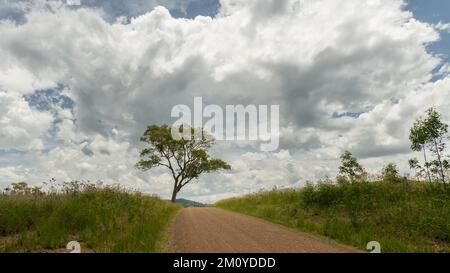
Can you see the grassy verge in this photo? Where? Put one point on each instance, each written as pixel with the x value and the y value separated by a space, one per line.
pixel 403 216
pixel 102 220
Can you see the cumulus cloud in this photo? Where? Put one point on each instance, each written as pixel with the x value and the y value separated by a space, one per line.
pixel 110 10
pixel 313 58
pixel 21 127
pixel 443 26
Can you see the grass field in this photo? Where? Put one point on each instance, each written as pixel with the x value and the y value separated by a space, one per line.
pixel 405 216
pixel 101 219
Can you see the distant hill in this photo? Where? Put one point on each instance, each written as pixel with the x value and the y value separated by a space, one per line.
pixel 189 203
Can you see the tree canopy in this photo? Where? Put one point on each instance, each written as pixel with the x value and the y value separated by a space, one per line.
pixel 350 167
pixel 430 133
pixel 186 158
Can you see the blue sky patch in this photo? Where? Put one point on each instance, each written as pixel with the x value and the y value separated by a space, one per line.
pixel 194 9
pixel 46 100
pixel 50 100
pixel 433 12
pixel 347 114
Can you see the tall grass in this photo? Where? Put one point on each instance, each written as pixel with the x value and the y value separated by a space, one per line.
pixel 102 219
pixel 404 217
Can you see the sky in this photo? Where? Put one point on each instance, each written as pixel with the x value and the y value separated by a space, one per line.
pixel 79 84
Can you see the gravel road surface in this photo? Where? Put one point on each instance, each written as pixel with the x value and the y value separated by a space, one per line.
pixel 211 230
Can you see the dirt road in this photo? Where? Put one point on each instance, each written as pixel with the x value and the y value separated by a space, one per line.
pixel 210 230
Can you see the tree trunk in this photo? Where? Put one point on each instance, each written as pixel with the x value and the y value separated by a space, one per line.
pixel 174 196
pixel 426 163
pixel 174 193
pixel 440 162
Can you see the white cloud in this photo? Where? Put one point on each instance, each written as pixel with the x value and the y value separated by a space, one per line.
pixel 110 10
pixel 314 58
pixel 21 127
pixel 443 26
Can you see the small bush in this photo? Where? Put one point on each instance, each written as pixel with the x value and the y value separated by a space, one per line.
pixel 322 196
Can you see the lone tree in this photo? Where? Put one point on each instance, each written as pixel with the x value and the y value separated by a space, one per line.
pixel 430 132
pixel 186 158
pixel 350 167
pixel 390 172
pixel 418 137
pixel 437 132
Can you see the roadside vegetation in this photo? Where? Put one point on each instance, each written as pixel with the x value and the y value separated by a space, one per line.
pixel 101 218
pixel 402 214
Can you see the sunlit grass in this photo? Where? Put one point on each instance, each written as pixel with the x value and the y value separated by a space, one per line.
pixel 101 219
pixel 404 216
